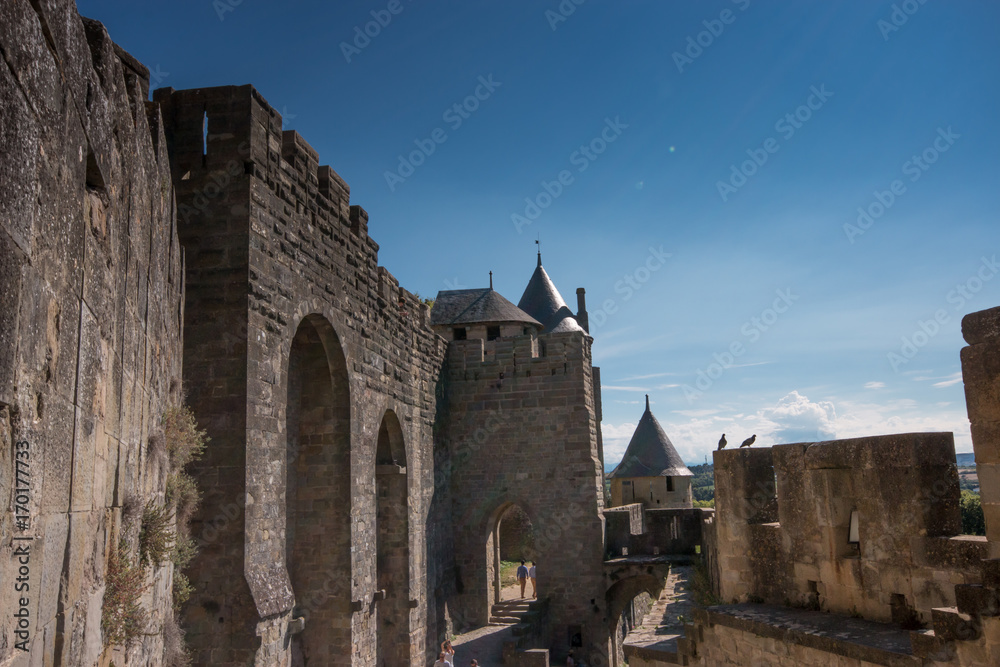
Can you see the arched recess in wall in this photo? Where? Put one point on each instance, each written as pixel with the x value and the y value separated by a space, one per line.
pixel 318 493
pixel 511 538
pixel 393 548
pixel 622 601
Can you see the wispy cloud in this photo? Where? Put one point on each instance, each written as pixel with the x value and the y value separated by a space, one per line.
pixel 658 387
pixel 647 377
pixel 954 378
pixel 874 385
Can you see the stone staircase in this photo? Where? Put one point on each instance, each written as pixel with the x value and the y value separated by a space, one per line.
pixel 525 618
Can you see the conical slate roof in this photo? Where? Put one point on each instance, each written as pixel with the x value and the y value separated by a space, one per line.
pixel 650 452
pixel 542 301
pixel 467 306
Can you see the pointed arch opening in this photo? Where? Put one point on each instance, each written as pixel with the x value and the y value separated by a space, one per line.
pixel 511 540
pixel 395 645
pixel 318 494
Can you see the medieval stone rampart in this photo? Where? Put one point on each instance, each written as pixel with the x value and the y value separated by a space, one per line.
pixel 91 282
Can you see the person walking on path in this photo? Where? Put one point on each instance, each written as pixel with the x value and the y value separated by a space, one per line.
pixel 534 582
pixel 522 577
pixel 448 652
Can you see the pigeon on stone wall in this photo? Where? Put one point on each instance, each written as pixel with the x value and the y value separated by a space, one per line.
pixel 722 442
pixel 749 441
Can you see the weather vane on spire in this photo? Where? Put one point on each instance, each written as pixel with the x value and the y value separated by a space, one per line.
pixel 491 280
pixel 538 242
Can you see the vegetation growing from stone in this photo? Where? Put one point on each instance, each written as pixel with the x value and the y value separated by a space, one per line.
pixel 973 519
pixel 184 550
pixel 185 443
pixel 123 618
pixel 175 652
pixel 156 534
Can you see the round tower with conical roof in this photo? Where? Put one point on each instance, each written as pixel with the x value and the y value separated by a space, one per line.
pixel 651 472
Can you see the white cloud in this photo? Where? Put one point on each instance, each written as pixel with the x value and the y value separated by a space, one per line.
pixel 797 419
pixel 616 437
pixel 954 378
pixel 874 385
pixel 614 387
pixel 646 377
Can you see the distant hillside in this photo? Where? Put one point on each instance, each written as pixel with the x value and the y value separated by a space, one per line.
pixel 966 459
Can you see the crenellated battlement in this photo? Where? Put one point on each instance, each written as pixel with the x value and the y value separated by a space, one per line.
pixel 845 525
pixel 546 354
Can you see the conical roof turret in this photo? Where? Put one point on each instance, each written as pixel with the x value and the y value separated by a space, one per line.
pixel 650 452
pixel 543 302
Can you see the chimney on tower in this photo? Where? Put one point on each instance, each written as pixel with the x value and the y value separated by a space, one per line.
pixel 581 309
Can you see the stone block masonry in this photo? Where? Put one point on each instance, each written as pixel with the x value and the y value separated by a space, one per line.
pixel 303 356
pixel 91 284
pixel 522 429
pixel 784 518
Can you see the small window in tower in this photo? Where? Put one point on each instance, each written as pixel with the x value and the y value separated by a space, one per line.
pixel 670 484
pixel 492 333
pixel 459 332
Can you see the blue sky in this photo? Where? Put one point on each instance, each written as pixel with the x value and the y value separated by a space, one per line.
pixel 739 138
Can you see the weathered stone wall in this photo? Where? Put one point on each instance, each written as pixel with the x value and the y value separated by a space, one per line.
pixel 784 513
pixel 523 428
pixel 281 267
pixel 653 492
pixel 981 373
pixel 90 343
pixel 641 531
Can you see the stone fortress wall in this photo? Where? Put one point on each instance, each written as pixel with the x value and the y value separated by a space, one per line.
pixel 359 463
pixel 315 373
pixel 91 284
pixel 795 587
pixel 522 428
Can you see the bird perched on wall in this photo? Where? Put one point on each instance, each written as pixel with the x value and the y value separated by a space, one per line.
pixel 722 442
pixel 749 441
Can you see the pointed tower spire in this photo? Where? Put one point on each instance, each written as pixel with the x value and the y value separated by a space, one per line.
pixel 647 402
pixel 491 280
pixel 538 242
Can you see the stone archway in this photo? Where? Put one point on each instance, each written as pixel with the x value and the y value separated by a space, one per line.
pixel 394 645
pixel 619 598
pixel 318 494
pixel 497 551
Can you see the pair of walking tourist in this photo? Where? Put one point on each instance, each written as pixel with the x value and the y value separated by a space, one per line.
pixel 523 574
